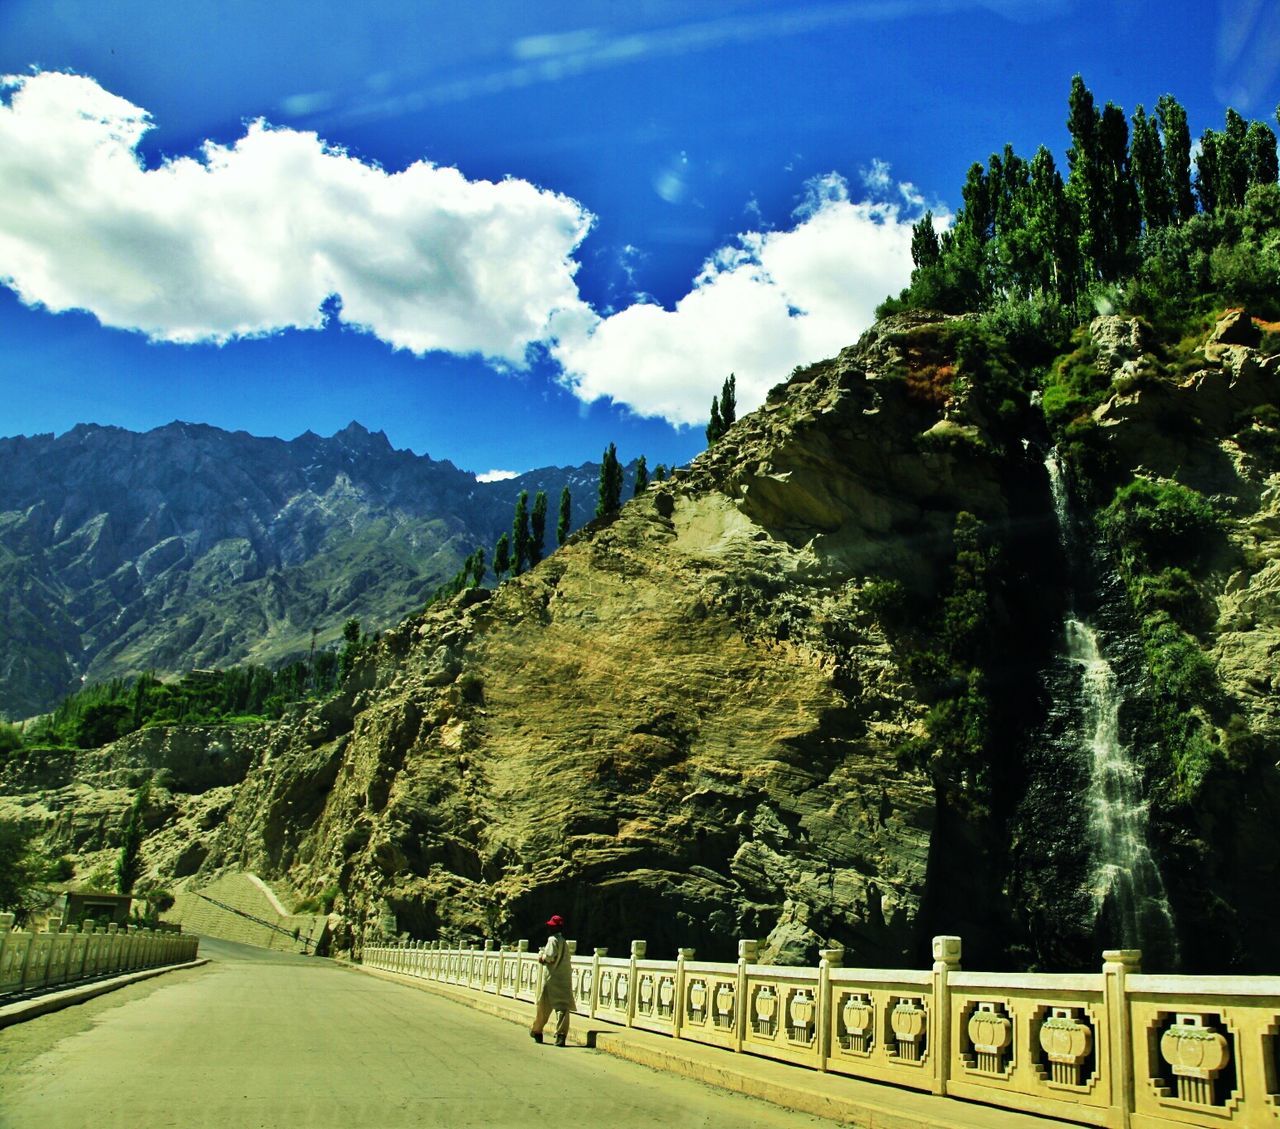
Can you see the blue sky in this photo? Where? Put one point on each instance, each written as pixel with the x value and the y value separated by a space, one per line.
pixel 509 234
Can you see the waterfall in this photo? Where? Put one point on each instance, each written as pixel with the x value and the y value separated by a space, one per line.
pixel 1128 892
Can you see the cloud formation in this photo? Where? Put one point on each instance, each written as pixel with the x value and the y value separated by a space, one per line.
pixel 769 302
pixel 254 237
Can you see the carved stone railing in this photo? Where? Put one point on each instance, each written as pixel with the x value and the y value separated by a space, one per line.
pixel 1113 1048
pixel 59 957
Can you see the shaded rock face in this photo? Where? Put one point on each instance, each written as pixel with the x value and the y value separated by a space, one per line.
pixel 688 724
pixel 192 547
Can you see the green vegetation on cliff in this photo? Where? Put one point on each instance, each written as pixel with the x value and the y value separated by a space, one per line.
pixel 1123 230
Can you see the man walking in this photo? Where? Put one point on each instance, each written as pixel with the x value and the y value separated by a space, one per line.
pixel 555 987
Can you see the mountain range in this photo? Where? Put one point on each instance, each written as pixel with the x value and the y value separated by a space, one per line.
pixel 191 547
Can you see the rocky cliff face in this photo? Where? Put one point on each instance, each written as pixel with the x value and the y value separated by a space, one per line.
pixel 704 719
pixel 191 547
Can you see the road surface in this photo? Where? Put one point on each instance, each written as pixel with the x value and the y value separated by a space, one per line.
pixel 263 1040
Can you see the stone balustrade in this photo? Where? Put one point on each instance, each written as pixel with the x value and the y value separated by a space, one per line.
pixel 1114 1048
pixel 59 956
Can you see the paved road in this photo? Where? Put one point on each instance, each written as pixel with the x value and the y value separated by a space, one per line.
pixel 260 1040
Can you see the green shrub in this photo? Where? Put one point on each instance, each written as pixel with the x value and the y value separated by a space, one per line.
pixel 1154 523
pixel 1074 386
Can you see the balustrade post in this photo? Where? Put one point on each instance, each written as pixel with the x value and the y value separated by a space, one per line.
pixel 825 1005
pixel 677 1019
pixel 1116 965
pixel 6 927
pixel 522 946
pixel 638 950
pixel 595 978
pixel 748 951
pixel 946 959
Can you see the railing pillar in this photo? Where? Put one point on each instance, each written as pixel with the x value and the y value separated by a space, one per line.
pixel 946 959
pixel 1116 965
pixel 677 1019
pixel 595 978
pixel 827 960
pixel 747 953
pixel 6 922
pixel 638 950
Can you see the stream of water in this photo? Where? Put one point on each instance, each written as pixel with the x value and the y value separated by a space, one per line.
pixel 1125 881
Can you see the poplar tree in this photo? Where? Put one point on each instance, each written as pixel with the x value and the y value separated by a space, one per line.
pixel 925 249
pixel 715 426
pixel 501 558
pixel 565 517
pixel 1084 186
pixel 609 496
pixel 1260 147
pixel 1177 156
pixel 477 567
pixel 1146 158
pixel 728 403
pixel 642 477
pixel 520 534
pixel 537 540
pixel 129 862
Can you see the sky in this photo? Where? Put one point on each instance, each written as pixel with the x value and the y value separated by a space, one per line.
pixel 509 234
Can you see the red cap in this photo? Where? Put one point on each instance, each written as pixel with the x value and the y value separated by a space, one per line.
pixel 555 921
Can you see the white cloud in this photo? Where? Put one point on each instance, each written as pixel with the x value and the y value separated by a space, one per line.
pixel 760 307
pixel 497 475
pixel 877 178
pixel 252 238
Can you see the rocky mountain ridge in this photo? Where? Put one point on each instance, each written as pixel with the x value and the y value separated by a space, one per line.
pixel 797 692
pixel 189 546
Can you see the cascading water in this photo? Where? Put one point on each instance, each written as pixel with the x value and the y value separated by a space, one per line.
pixel 1127 889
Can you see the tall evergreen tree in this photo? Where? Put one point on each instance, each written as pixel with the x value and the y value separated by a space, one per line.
pixel 520 534
pixel 642 477
pixel 729 402
pixel 609 496
pixel 501 558
pixel 477 567
pixel 1177 157
pixel 660 473
pixel 564 518
pixel 538 538
pixel 715 426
